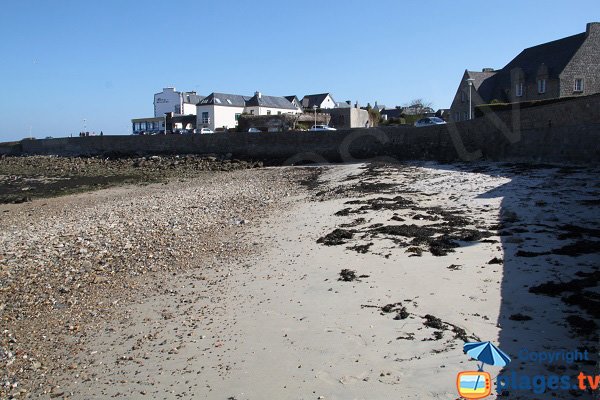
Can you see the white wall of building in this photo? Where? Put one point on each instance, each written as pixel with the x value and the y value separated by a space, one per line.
pixel 218 116
pixel 189 109
pixel 169 100
pixel 328 102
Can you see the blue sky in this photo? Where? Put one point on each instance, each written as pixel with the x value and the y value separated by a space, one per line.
pixel 66 61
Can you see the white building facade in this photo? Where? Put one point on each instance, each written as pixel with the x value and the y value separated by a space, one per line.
pixel 222 111
pixel 172 101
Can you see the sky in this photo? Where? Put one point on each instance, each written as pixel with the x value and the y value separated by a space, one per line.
pixel 63 62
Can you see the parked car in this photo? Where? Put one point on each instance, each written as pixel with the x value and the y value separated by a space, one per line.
pixel 254 130
pixel 205 131
pixel 429 121
pixel 322 128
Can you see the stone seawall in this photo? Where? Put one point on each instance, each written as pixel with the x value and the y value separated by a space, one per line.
pixel 561 132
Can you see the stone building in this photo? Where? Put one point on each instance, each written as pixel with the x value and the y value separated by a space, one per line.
pixel 562 68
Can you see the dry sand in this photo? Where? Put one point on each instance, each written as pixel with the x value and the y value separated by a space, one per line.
pixel 275 322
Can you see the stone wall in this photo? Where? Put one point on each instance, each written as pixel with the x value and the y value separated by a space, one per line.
pixel 561 132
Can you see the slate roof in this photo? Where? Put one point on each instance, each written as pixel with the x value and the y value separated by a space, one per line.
pixel 314 99
pixel 192 97
pixel 236 100
pixel 483 84
pixel 342 104
pixel 292 98
pixel 392 112
pixel 224 99
pixel 555 55
pixel 270 101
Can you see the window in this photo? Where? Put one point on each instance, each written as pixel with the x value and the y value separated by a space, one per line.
pixel 205 119
pixel 457 116
pixel 278 112
pixel 541 86
pixel 519 90
pixel 463 97
pixel 465 116
pixel 218 100
pixel 237 116
pixel 251 112
pixel 579 85
pixel 268 112
pixel 229 101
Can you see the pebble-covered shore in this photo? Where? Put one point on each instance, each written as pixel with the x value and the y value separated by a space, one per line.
pixel 67 262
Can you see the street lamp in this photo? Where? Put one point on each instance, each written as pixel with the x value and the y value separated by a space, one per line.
pixel 315 108
pixel 470 83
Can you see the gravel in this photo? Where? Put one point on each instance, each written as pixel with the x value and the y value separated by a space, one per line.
pixel 66 263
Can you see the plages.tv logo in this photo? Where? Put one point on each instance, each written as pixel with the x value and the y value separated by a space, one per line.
pixel 478 384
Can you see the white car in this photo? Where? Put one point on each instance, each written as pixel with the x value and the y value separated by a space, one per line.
pixel 205 131
pixel 429 121
pixel 254 130
pixel 322 128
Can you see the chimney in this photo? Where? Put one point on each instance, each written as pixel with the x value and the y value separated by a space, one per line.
pixel 592 27
pixel 258 94
pixel 487 70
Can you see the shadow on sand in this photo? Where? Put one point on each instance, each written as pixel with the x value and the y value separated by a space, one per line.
pixel 549 228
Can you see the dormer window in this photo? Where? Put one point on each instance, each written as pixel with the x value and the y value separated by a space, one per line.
pixel 541 83
pixel 519 89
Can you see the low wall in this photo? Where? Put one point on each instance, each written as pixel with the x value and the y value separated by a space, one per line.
pixel 561 132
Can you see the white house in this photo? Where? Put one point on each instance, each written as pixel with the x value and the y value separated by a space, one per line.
pixel 260 104
pixel 322 101
pixel 221 110
pixel 172 101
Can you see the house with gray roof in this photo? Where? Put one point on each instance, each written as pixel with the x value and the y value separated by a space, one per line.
pixel 321 101
pixel 295 101
pixel 222 110
pixel 562 68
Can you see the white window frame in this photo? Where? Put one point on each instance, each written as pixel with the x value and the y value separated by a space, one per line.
pixel 578 85
pixel 541 86
pixel 519 89
pixel 205 117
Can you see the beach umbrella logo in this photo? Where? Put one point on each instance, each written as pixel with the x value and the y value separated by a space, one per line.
pixel 486 353
pixel 478 384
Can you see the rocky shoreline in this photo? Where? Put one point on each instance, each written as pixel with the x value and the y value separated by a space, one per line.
pixel 68 263
pixel 25 178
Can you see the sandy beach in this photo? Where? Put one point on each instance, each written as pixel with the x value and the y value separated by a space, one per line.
pixel 356 281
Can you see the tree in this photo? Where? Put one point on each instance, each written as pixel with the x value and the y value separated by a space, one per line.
pixel 374 117
pixel 418 107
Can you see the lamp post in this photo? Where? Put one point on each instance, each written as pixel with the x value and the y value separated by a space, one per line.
pixel 315 108
pixel 470 83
